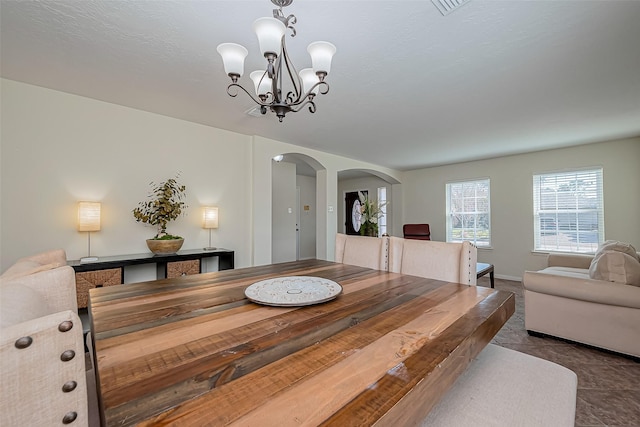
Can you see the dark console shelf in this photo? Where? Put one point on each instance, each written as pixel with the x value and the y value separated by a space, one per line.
pixel 225 259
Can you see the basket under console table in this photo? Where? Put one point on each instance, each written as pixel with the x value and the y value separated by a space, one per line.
pixel 109 270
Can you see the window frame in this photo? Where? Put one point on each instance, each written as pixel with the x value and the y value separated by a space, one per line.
pixel 483 243
pixel 559 221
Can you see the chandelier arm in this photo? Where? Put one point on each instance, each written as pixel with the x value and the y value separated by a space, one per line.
pixel 290 22
pixel 293 74
pixel 277 79
pixel 323 90
pixel 312 106
pixel 309 95
pixel 256 100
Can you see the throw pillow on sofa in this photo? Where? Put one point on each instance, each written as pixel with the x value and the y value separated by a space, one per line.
pixel 615 266
pixel 614 245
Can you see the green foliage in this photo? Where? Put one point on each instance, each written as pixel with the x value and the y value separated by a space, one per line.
pixel 370 212
pixel 167 237
pixel 166 205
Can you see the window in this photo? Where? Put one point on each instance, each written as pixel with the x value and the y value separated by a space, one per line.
pixel 382 219
pixel 568 211
pixel 468 212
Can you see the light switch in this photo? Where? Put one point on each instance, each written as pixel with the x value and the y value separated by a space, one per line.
pixel 330 208
pixel 290 210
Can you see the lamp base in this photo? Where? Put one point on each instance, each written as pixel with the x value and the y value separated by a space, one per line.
pixel 209 248
pixel 89 259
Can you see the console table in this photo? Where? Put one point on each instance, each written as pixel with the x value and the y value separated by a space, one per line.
pixel 109 270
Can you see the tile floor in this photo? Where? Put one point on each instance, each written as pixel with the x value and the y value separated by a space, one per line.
pixel 608 384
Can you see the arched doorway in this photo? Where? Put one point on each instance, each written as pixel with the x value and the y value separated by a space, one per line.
pixel 377 187
pixel 294 207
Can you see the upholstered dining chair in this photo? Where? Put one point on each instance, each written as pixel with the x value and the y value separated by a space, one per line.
pixel 453 262
pixel 42 360
pixel 369 252
pixel 416 231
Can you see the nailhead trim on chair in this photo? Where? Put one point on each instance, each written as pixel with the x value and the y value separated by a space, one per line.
pixel 24 342
pixel 69 417
pixel 65 326
pixel 67 355
pixel 69 386
pixel 386 253
pixel 469 273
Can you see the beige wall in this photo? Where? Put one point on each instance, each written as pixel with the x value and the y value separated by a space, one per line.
pixel 57 149
pixel 512 197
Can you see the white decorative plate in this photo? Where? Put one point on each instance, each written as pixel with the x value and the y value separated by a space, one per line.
pixel 293 291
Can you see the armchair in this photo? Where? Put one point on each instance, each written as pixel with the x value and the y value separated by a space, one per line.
pixel 564 301
pixel 416 231
pixel 44 378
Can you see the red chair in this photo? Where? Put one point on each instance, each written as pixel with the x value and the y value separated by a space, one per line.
pixel 416 231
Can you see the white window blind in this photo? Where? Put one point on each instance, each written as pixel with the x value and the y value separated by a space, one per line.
pixel 568 211
pixel 468 212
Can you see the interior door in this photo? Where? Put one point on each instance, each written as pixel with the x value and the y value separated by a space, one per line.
pixel 352 212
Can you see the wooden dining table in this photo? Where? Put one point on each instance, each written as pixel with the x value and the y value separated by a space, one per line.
pixel 194 351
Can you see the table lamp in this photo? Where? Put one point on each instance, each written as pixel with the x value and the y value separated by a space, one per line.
pixel 89 220
pixel 209 221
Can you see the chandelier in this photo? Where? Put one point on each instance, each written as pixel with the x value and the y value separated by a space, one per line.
pixel 279 88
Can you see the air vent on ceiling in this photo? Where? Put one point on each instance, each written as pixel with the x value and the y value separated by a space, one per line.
pixel 254 111
pixel 447 6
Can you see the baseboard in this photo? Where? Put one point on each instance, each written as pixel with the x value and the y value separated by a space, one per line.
pixel 504 277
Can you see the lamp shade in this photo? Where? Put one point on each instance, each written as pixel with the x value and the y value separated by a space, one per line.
pixel 269 32
pixel 261 81
pixel 309 78
pixel 233 56
pixel 88 216
pixel 321 55
pixel 209 217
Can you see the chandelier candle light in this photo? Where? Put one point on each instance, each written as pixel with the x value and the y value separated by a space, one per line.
pixel 270 83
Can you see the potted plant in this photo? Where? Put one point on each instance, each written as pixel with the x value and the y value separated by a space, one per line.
pixel 370 212
pixel 165 204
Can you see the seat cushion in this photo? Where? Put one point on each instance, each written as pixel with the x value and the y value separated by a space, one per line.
pixel 503 387
pixel 589 290
pixel 578 273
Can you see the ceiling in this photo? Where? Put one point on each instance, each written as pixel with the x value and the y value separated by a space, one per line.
pixel 410 88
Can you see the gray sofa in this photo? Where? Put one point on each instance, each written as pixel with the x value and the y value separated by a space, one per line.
pixel 563 300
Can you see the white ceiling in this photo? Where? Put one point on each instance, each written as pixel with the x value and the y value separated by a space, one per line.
pixel 410 88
